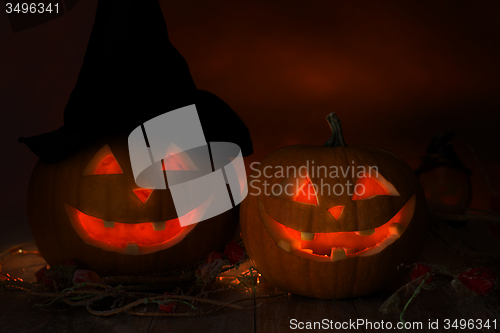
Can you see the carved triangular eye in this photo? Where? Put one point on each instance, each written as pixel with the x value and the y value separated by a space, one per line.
pixel 372 184
pixel 103 163
pixel 299 189
pixel 177 160
pixel 306 194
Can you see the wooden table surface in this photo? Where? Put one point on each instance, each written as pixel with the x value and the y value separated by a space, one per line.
pixel 18 313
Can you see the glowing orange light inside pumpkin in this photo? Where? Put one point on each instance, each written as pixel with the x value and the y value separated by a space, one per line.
pixel 336 211
pixel 367 187
pixel 172 162
pixel 108 166
pixel 307 194
pixel 323 243
pixel 143 194
pixel 123 233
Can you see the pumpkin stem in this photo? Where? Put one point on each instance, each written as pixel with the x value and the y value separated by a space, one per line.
pixel 337 138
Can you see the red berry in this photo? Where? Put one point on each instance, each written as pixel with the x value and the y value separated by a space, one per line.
pixel 420 270
pixel 234 252
pixel 84 275
pixel 168 307
pixel 479 280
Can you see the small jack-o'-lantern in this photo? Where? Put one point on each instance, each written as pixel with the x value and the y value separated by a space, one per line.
pixel 333 221
pixel 89 208
pixel 445 179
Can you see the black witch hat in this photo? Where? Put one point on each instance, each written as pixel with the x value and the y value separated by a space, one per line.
pixel 130 74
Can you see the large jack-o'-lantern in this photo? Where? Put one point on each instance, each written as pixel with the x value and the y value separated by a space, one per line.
pixel 83 201
pixel 333 221
pixel 89 208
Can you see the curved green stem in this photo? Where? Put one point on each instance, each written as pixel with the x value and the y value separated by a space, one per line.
pixel 337 137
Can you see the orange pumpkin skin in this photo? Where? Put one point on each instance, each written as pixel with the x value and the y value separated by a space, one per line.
pixel 354 275
pixel 110 197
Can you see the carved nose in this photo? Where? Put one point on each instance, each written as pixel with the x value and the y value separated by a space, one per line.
pixel 143 194
pixel 336 211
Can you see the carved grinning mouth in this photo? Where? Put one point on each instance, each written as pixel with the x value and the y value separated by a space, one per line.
pixel 333 246
pixel 128 238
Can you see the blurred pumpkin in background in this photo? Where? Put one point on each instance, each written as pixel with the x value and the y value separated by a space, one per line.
pixel 445 179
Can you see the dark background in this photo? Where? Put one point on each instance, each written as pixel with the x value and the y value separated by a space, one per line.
pixel 396 72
